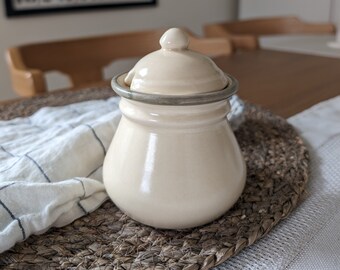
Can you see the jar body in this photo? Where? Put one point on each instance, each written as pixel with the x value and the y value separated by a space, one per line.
pixel 174 167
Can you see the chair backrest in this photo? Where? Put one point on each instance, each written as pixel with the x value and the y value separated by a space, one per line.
pixel 83 60
pixel 241 31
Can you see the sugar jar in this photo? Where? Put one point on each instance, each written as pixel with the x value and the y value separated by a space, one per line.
pixel 174 162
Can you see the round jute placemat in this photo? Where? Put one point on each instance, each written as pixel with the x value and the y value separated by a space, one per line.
pixel 277 163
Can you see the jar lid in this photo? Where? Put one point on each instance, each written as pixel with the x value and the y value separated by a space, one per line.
pixel 175 70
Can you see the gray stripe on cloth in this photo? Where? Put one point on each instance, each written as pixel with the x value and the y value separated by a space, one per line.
pixel 82 208
pixel 14 218
pixel 1 188
pixel 39 167
pixel 96 169
pixel 97 138
pixel 9 153
pixel 82 197
pixel 82 184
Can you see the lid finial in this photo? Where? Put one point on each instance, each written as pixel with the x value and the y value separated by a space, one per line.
pixel 175 69
pixel 174 39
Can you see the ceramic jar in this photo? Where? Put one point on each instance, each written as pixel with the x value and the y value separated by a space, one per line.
pixel 174 162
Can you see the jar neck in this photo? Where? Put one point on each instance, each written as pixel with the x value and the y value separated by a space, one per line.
pixel 175 116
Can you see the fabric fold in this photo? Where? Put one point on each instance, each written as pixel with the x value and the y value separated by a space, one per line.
pixel 51 167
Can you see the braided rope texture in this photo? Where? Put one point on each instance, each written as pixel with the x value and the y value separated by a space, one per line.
pixel 278 170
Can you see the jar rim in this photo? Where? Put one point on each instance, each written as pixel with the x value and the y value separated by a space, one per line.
pixel 123 90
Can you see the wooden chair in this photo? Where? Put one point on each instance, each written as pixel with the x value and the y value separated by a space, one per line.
pixel 83 60
pixel 244 34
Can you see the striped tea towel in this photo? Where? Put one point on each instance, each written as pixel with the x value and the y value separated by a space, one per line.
pixel 51 166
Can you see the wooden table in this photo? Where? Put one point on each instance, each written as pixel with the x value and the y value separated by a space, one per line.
pixel 283 82
pixel 286 83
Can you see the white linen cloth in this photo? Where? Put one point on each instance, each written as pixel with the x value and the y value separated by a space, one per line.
pixel 51 166
pixel 309 239
pixel 60 151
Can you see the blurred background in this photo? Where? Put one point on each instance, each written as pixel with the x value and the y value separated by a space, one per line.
pixel 192 14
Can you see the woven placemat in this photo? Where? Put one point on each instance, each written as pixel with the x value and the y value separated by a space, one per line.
pixel 277 163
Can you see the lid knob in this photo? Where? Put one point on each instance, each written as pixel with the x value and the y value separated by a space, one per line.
pixel 175 69
pixel 174 39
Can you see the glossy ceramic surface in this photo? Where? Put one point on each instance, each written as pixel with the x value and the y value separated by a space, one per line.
pixel 174 167
pixel 174 162
pixel 175 70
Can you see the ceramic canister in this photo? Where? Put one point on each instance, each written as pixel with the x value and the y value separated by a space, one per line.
pixel 174 161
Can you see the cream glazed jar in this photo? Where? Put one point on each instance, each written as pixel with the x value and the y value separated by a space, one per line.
pixel 174 162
